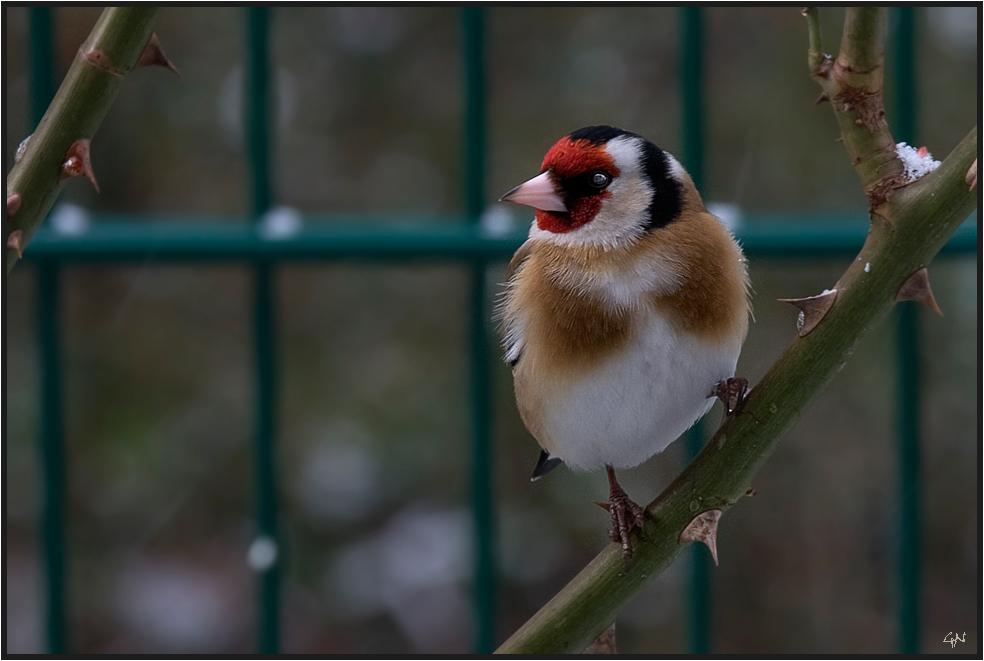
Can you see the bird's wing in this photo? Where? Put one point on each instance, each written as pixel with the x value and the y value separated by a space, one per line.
pixel 514 342
pixel 517 260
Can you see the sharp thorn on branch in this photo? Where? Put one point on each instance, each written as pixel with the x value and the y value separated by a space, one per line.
pixel 812 309
pixel 605 506
pixel 820 99
pixel 703 528
pixel 916 288
pixel 13 204
pixel 971 178
pixel 78 161
pixel 604 643
pixel 153 55
pixel 15 241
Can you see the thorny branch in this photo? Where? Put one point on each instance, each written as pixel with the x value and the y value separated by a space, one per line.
pixel 59 147
pixel 913 221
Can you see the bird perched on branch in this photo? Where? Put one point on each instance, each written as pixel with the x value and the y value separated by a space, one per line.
pixel 625 310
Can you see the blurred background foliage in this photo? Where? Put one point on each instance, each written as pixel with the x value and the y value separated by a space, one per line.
pixel 373 444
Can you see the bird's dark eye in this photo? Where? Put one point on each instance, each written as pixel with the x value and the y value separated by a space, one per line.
pixel 600 179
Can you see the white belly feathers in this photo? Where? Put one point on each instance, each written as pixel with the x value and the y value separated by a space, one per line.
pixel 632 405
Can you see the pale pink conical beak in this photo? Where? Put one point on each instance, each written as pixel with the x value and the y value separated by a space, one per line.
pixel 539 193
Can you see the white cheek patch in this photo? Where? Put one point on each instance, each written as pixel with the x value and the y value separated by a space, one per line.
pixel 627 210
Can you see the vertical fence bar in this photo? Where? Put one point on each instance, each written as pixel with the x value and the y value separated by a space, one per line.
pixel 699 606
pixel 51 430
pixel 257 110
pixel 692 91
pixel 483 460
pixel 265 553
pixel 909 487
pixel 42 72
pixel 52 460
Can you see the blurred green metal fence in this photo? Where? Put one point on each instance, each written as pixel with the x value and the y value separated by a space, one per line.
pixel 123 239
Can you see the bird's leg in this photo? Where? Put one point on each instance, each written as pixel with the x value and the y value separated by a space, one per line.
pixel 626 515
pixel 731 393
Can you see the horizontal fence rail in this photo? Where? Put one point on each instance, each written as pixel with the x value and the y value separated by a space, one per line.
pixel 110 238
pixel 262 242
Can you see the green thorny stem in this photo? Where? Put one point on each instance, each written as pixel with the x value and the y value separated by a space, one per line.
pixel 910 223
pixel 59 147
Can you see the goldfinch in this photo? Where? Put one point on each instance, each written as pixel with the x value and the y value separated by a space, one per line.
pixel 624 311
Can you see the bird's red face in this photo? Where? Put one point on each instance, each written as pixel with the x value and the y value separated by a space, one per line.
pixel 575 166
pixel 571 187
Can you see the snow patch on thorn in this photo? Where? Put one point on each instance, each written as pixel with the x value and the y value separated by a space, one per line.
pixel 917 162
